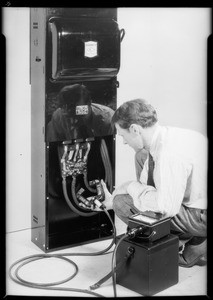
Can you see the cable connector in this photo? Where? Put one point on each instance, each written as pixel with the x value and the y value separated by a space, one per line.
pixel 134 232
pixel 99 204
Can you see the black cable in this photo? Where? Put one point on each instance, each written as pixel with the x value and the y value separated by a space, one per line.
pixel 117 267
pixel 32 258
pixel 87 184
pixel 132 233
pixel 107 164
pixel 106 277
pixel 49 286
pixel 114 264
pixel 45 286
pixel 85 214
pixel 104 159
pixel 104 162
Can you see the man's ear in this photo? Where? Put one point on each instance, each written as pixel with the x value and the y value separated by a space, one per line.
pixel 134 128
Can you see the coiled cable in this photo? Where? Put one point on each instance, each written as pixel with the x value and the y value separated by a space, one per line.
pixel 51 286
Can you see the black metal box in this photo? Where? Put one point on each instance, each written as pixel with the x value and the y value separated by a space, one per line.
pixel 154 226
pixel 152 268
pixel 83 48
pixel 70 46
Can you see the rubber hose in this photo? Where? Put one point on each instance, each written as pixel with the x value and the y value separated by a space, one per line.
pixel 84 214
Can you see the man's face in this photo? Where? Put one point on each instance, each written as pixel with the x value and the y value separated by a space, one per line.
pixel 130 137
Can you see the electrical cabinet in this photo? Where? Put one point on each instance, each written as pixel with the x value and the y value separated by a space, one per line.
pixel 71 47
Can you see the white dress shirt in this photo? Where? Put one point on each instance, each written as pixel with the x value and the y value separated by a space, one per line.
pixel 180 173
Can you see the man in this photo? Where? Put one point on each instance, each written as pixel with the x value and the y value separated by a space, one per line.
pixel 78 117
pixel 178 188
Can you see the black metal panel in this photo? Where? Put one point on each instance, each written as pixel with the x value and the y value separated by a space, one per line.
pixel 102 92
pixel 77 230
pixel 85 12
pixel 56 63
pixel 61 220
pixel 83 48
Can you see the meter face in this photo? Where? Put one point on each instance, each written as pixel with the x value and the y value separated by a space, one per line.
pixel 147 217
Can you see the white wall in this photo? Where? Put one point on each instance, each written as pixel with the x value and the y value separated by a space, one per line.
pixel 18 167
pixel 163 59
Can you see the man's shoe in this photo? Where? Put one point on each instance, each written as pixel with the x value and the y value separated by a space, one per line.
pixel 193 255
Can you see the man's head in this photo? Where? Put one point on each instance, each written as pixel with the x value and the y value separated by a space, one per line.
pixel 134 121
pixel 75 100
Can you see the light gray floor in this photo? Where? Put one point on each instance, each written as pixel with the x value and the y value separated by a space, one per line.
pixel 192 281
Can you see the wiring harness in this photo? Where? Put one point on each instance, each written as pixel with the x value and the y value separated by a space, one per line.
pixel 73 160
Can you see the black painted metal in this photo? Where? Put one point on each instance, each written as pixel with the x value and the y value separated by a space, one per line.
pixel 61 55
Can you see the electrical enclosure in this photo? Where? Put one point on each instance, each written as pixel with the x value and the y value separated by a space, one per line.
pixel 71 46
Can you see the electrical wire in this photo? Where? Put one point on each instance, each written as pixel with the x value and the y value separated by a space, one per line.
pixel 114 264
pixel 109 167
pixel 49 286
pixel 119 265
pixel 104 162
pixel 108 179
pixel 81 213
pixel 87 184
pixel 107 164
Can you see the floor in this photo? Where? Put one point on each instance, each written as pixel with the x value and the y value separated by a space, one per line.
pixel 192 281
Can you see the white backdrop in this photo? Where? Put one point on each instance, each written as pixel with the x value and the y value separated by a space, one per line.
pixel 163 59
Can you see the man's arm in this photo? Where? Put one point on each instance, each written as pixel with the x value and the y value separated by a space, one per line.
pixel 170 176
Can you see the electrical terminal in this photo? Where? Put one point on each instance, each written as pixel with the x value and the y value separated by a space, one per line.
pixel 74 158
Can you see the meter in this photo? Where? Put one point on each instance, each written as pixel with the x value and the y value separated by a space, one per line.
pixel 155 225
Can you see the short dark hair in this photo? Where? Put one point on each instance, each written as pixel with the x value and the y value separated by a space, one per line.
pixel 137 111
pixel 70 95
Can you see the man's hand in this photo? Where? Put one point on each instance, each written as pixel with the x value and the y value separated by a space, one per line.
pixel 107 201
pixel 108 197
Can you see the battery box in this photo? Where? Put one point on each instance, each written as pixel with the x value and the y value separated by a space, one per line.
pixel 153 266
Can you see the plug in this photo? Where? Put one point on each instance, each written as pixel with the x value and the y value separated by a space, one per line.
pixel 134 231
pixel 99 204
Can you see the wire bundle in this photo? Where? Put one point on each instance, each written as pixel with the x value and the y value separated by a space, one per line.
pixel 108 180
